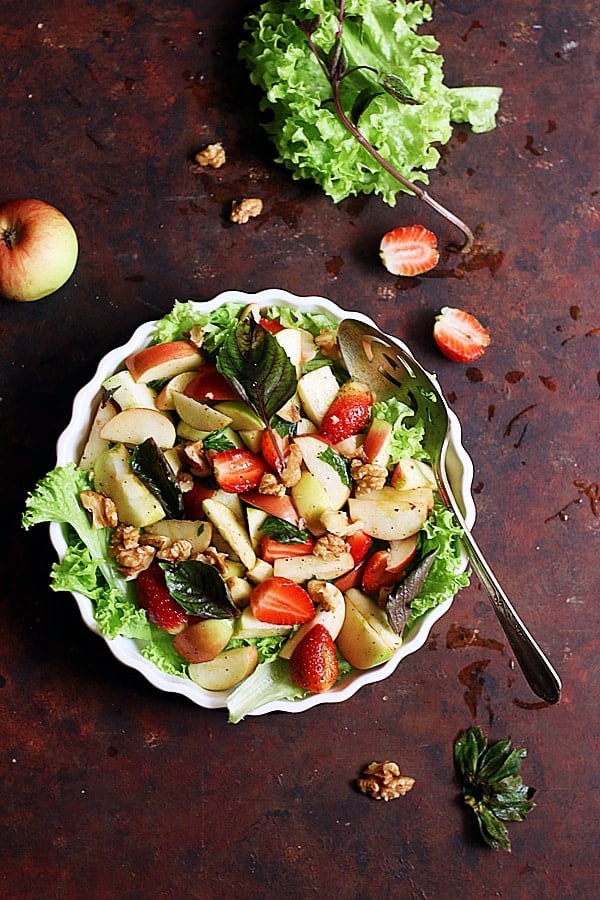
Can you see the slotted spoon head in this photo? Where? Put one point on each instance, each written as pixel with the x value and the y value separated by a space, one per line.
pixel 389 369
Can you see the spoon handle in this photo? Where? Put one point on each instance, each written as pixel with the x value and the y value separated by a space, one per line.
pixel 537 669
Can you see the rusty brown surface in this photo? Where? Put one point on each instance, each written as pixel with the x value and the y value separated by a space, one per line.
pixel 113 789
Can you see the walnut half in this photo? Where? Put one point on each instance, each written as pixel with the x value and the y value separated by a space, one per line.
pixel 383 781
pixel 246 209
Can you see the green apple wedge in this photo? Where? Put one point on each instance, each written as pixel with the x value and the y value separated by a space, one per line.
pixel 231 529
pixel 113 477
pixel 318 457
pixel 365 639
pixel 311 500
pixel 198 415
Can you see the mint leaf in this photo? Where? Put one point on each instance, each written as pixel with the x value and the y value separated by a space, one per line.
pixel 283 531
pixel 258 367
pixel 338 463
pixel 217 441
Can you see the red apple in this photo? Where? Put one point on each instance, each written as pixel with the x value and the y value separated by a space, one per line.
pixel 163 361
pixel 38 249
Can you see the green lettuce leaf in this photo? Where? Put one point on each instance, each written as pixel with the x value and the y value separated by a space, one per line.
pixel 406 439
pixel 380 40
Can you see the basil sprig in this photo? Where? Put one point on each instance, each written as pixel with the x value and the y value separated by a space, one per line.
pixel 258 367
pixel 491 784
pixel 284 532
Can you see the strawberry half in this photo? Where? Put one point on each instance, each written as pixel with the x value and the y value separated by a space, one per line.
pixel 281 601
pixel 270 549
pixel 349 412
pixel 210 386
pixel 153 596
pixel 314 662
pixel 460 336
pixel 237 470
pixel 410 250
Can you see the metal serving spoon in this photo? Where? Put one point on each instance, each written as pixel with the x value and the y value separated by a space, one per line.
pixel 389 369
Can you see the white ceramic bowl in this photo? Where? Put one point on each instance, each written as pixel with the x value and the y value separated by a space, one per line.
pixel 69 448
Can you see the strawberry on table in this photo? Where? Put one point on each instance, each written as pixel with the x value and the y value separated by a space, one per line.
pixel 314 662
pixel 238 470
pixel 153 596
pixel 409 250
pixel 349 412
pixel 459 335
pixel 281 601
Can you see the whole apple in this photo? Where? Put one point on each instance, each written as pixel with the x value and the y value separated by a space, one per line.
pixel 38 249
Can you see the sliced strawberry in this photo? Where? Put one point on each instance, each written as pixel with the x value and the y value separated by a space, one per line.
pixel 409 251
pixel 153 596
pixel 274 448
pixel 376 574
pixel 192 500
pixel 272 325
pixel 281 601
pixel 349 412
pixel 459 335
pixel 314 662
pixel 351 579
pixel 270 549
pixel 238 470
pixel 359 544
pixel 210 386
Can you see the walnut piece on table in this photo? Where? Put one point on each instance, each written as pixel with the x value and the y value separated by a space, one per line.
pixel 246 209
pixel 383 781
pixel 213 155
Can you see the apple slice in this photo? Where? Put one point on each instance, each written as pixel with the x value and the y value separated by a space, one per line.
pixel 312 501
pixel 198 415
pixel 376 445
pixel 301 568
pixel 401 553
pixel 163 361
pixel 231 530
pixel 365 639
pixel 177 383
pixel 95 444
pixel 412 473
pixel 281 507
pixel 113 477
pixel 319 458
pixel 198 533
pixel 127 392
pixel 317 390
pixel 226 670
pixel 247 626
pixel 291 341
pixel 388 520
pixel 135 425
pixel 413 495
pixel 203 640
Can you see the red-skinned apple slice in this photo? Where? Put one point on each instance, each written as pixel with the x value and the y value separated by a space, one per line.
pixel 135 425
pixel 281 507
pixel 377 442
pixel 163 361
pixel 402 553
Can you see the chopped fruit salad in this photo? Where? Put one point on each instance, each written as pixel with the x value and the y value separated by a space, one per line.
pixel 247 512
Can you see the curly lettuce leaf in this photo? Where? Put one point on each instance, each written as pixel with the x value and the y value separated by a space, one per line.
pixel 380 39
pixel 447 575
pixel 186 314
pixel 406 442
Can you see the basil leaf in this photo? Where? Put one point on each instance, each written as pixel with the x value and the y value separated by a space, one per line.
pixel 338 463
pixel 149 463
pixel 283 531
pixel 199 589
pixel 258 367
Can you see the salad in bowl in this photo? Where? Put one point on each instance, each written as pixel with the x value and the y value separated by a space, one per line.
pixel 245 522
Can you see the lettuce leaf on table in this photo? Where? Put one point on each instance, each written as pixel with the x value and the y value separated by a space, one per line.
pixel 380 45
